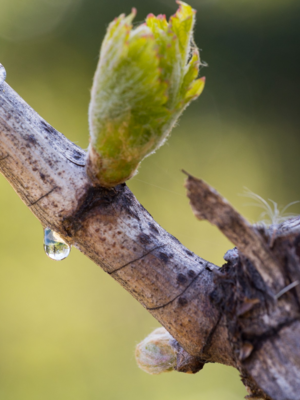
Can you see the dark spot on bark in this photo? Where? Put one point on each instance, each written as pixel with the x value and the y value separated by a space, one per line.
pixel 191 273
pixel 48 128
pixel 182 301
pixel 128 198
pixel 76 155
pixel 181 279
pixel 144 239
pixel 43 177
pixel 31 139
pixel 189 253
pixel 119 232
pixel 164 257
pixel 153 228
pixel 97 230
pixel 127 202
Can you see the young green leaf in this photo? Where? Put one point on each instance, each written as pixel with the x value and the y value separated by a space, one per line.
pixel 145 78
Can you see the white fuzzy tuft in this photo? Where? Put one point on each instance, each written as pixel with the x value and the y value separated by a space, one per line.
pixel 272 214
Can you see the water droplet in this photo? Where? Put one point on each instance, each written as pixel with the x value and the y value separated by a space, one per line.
pixel 55 247
pixel 2 74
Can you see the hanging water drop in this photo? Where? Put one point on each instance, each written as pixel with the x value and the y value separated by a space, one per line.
pixel 2 74
pixel 55 247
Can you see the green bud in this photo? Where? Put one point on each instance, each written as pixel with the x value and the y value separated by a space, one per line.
pixel 155 354
pixel 145 78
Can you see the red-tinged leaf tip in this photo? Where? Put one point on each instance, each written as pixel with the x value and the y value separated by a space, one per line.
pixel 150 16
pixel 133 11
pixel 162 17
pixel 203 79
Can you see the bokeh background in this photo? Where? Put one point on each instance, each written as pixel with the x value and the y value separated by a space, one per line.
pixel 67 330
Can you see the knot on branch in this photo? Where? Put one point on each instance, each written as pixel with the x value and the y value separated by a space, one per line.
pixel 96 199
pixel 258 293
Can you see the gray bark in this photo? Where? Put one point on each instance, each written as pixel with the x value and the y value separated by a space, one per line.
pixel 231 315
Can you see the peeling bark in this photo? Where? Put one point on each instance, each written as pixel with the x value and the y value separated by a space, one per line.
pixel 245 314
pixel 264 330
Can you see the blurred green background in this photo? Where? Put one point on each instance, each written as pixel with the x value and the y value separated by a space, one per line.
pixel 67 330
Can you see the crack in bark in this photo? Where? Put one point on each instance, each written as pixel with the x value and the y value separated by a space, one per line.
pixel 137 259
pixel 73 162
pixel 4 158
pixel 180 294
pixel 47 194
pixel 258 341
pixel 208 341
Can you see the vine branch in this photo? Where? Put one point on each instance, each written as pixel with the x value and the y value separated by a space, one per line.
pixel 108 225
pixel 228 315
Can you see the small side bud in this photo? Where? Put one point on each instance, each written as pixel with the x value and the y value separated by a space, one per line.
pixel 155 354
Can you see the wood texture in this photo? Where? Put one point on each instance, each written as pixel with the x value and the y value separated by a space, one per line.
pixel 264 331
pixel 245 314
pixel 207 204
pixel 109 226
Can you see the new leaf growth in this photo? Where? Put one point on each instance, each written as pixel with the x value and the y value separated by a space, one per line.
pixel 145 78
